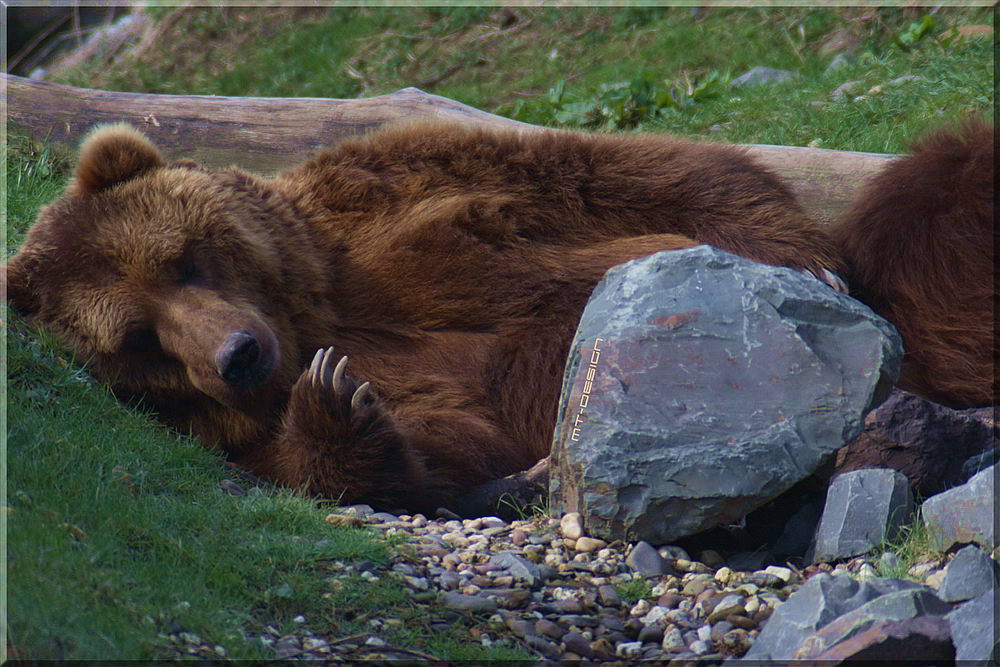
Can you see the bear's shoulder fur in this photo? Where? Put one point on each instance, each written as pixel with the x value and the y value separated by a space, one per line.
pixel 920 242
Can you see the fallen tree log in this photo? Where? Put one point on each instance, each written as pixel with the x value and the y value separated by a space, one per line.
pixel 266 135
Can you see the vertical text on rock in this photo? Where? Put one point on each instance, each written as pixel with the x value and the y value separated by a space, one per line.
pixel 588 386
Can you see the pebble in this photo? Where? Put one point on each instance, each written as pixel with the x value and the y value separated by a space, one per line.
pixel 765 580
pixel 672 552
pixel 783 573
pixel 577 643
pixel 934 580
pixel 571 526
pixel 589 544
pixel 644 559
pixel 628 649
pixel 560 592
pixel 608 595
pixel 723 575
pixel 729 605
pixel 673 641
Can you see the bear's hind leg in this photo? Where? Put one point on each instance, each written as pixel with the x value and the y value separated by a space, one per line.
pixel 338 441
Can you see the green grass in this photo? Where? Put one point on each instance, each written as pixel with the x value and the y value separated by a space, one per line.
pixel 634 590
pixel 912 545
pixel 120 538
pixel 592 67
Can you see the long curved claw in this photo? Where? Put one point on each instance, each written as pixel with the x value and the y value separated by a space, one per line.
pixel 338 375
pixel 830 278
pixel 359 396
pixel 315 366
pixel 324 372
pixel 835 281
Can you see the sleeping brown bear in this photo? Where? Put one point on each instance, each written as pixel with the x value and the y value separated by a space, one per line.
pixel 387 323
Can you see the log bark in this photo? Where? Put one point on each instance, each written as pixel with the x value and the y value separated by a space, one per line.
pixel 267 135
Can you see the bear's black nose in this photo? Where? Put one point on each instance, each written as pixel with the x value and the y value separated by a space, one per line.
pixel 238 358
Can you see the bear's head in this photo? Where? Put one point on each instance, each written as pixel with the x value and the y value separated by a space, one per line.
pixel 170 281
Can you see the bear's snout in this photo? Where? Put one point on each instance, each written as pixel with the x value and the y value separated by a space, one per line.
pixel 239 361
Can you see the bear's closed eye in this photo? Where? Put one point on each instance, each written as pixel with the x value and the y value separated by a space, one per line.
pixel 187 270
pixel 142 340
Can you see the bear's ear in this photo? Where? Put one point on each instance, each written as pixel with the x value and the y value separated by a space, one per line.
pixel 20 294
pixel 113 154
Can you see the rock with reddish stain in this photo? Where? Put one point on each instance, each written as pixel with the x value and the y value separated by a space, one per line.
pixel 701 385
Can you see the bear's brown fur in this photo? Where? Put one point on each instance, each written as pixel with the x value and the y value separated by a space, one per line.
pixel 449 264
pixel 919 241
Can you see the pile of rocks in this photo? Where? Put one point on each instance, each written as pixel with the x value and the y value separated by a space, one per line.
pixel 564 595
pixel 547 586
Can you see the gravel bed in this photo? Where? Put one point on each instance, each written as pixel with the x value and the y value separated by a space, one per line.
pixel 542 583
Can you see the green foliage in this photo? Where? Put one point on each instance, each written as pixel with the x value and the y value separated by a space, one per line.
pixel 621 105
pixel 634 590
pixel 660 69
pixel 523 512
pixel 34 175
pixel 914 32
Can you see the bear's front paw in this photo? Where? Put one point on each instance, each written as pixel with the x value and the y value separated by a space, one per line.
pixel 333 405
pixel 339 440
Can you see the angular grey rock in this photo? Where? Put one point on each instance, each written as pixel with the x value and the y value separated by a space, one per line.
pixel 863 509
pixel 520 568
pixel 762 75
pixel 701 385
pixel 970 574
pixel 899 606
pixel 922 640
pixel 964 514
pixel 819 601
pixel 973 629
pixel 453 600
pixel 645 559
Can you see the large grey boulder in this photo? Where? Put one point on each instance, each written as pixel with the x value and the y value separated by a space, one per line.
pixel 964 514
pixel 701 385
pixel 825 598
pixel 864 508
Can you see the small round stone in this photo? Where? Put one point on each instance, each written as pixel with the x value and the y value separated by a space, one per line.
pixel 571 526
pixel 589 544
pixel 641 608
